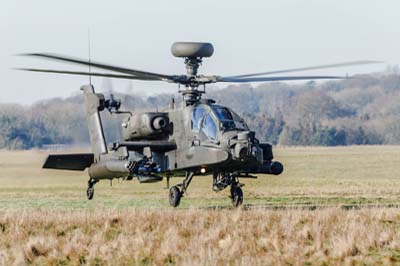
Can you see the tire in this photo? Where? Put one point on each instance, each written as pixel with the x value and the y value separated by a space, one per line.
pixel 175 196
pixel 90 192
pixel 237 196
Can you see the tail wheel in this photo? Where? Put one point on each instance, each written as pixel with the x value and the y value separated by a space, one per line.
pixel 175 196
pixel 236 196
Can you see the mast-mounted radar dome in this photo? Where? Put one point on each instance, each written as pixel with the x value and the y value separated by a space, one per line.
pixel 192 49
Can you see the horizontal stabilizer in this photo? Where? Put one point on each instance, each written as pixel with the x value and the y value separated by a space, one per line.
pixel 77 162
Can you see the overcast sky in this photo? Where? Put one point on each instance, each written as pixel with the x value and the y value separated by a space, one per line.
pixel 248 36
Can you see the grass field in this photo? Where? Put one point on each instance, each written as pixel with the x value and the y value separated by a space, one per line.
pixel 331 206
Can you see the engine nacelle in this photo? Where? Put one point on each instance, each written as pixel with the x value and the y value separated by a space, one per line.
pixel 154 126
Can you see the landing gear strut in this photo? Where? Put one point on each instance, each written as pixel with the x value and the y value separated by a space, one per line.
pixel 175 194
pixel 236 194
pixel 222 180
pixel 90 189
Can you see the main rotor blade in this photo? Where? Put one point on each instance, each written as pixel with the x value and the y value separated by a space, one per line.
pixel 138 73
pixel 85 73
pixel 344 64
pixel 262 79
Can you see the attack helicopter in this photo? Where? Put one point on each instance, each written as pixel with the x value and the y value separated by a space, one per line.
pixel 195 138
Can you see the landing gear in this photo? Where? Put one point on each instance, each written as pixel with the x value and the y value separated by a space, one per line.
pixel 175 194
pixel 236 195
pixel 222 180
pixel 90 189
pixel 168 177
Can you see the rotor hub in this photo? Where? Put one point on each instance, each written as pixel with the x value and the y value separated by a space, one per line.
pixel 192 52
pixel 191 95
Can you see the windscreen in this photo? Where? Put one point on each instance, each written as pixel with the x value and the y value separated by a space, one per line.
pixel 228 119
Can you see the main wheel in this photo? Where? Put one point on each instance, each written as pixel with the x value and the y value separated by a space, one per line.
pixel 174 196
pixel 90 192
pixel 236 196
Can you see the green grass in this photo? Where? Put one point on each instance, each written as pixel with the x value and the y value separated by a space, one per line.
pixel 319 176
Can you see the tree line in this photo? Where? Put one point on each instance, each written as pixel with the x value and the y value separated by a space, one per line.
pixel 361 110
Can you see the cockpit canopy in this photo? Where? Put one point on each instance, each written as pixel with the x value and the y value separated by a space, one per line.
pixel 210 119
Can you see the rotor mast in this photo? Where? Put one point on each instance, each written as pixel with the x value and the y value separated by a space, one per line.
pixel 191 93
pixel 193 53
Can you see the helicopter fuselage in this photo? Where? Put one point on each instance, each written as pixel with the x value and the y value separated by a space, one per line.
pixel 202 137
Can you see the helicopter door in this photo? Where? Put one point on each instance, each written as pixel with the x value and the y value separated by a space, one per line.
pixel 209 127
pixel 197 118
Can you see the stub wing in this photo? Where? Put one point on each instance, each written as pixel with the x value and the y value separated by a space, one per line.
pixel 77 162
pixel 155 145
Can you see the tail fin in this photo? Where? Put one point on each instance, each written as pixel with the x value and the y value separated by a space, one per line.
pixel 94 104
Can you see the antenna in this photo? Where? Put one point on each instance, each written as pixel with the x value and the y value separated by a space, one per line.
pixel 90 76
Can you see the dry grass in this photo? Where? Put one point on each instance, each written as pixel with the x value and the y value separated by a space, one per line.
pixel 46 219
pixel 201 237
pixel 312 176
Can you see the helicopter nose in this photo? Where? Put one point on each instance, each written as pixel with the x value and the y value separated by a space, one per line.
pixel 245 148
